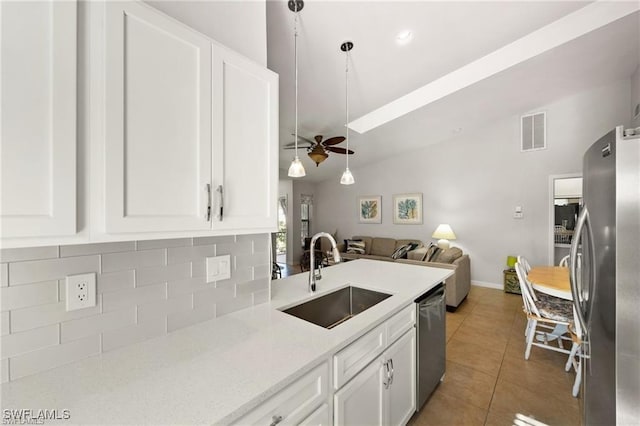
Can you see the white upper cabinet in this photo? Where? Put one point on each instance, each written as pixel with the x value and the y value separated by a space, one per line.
pixel 38 118
pixel 157 122
pixel 245 141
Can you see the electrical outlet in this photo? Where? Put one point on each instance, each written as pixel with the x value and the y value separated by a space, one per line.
pixel 218 268
pixel 81 291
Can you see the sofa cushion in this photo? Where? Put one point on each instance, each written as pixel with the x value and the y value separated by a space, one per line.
pixel 367 243
pixel 383 246
pixel 354 246
pixel 416 243
pixel 448 255
pixel 401 252
pixel 417 254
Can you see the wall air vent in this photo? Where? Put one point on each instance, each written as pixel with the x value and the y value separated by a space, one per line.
pixel 533 131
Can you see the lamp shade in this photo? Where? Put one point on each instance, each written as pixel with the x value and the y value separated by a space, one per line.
pixel 444 231
pixel 296 169
pixel 347 178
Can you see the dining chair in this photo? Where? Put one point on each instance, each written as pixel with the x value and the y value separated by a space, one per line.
pixel 542 317
pixel 564 261
pixel 525 263
pixel 577 354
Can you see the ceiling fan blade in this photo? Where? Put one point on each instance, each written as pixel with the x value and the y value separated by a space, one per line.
pixel 302 138
pixel 338 150
pixel 300 146
pixel 333 141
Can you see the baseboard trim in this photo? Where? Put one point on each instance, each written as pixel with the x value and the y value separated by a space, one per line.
pixel 488 285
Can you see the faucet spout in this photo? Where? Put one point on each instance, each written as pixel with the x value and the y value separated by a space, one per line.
pixel 312 259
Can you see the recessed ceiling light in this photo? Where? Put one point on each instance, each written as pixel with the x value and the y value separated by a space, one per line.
pixel 404 37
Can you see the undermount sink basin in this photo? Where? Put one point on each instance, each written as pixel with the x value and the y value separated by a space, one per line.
pixel 336 307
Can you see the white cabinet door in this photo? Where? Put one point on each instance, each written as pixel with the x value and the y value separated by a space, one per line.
pixel 320 417
pixel 402 391
pixel 157 122
pixel 38 118
pixel 362 400
pixel 245 142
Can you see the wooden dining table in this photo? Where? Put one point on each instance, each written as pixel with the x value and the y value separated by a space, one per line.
pixel 552 280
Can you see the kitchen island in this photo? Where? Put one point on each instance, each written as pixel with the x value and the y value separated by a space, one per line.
pixel 217 371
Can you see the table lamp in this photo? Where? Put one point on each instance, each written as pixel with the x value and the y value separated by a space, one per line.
pixel 444 233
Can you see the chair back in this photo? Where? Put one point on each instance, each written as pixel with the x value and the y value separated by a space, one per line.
pixel 564 261
pixel 525 264
pixel 529 302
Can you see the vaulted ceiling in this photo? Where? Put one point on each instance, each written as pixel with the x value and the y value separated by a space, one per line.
pixel 447 36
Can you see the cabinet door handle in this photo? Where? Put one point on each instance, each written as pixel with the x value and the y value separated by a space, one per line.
pixel 221 202
pixel 387 382
pixel 391 378
pixel 275 420
pixel 208 188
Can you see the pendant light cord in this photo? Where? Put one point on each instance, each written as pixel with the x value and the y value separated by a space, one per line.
pixel 346 83
pixel 295 56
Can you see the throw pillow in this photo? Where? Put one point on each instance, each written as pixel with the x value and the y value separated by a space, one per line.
pixel 448 255
pixel 432 253
pixel 401 252
pixel 354 246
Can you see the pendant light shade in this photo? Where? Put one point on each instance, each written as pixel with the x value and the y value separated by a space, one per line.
pixel 296 169
pixel 347 177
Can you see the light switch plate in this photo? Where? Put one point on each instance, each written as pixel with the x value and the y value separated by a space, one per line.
pixel 81 291
pixel 218 268
pixel 517 213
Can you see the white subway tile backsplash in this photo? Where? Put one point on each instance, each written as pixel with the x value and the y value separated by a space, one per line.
pixel 189 285
pixel 249 260
pixel 97 248
pixel 4 323
pixel 26 295
pixel 132 259
pixel 260 297
pixel 239 302
pixel 146 276
pixel 145 289
pixel 183 319
pixel 252 286
pixel 4 274
pixel 53 356
pixel 77 329
pixel 41 315
pixel 121 299
pixel 30 253
pixel 4 370
pixel 115 281
pixel 190 254
pixel 157 310
pixel 207 241
pixel 51 269
pixel 155 244
pixel 27 341
pixel 114 339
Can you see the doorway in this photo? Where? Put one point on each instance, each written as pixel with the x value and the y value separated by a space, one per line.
pixel 564 206
pixel 281 235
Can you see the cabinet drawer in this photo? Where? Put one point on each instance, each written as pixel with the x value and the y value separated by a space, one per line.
pixel 349 361
pixel 400 323
pixel 320 417
pixel 295 403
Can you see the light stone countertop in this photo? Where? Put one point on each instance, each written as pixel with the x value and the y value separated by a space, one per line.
pixel 216 371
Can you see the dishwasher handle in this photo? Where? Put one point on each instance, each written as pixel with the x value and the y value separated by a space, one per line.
pixel 435 292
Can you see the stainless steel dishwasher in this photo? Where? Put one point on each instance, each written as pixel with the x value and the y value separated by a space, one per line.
pixel 431 342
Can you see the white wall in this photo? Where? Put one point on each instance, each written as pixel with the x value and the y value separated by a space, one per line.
pixel 301 187
pixel 239 25
pixel 473 182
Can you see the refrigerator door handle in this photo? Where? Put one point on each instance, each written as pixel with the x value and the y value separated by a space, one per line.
pixel 575 291
pixel 592 283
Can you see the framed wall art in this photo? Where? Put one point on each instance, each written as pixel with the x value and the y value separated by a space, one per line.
pixel 370 209
pixel 407 209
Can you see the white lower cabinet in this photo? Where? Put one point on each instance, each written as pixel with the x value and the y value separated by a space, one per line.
pixel 384 393
pixel 295 404
pixel 320 417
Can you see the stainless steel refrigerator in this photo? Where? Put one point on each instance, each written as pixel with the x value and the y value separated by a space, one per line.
pixel 605 280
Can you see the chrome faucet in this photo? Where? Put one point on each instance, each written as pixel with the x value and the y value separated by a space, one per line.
pixel 312 261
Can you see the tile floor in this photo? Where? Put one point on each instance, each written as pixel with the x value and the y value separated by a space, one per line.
pixel 487 379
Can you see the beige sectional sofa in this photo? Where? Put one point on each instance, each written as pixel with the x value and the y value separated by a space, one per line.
pixel 457 286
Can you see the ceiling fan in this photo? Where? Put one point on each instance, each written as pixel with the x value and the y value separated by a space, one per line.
pixel 319 150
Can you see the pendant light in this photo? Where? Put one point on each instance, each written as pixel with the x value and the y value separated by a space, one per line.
pixel 347 177
pixel 296 169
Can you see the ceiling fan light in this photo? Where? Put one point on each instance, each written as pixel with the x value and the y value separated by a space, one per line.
pixel 318 155
pixel 296 169
pixel 347 178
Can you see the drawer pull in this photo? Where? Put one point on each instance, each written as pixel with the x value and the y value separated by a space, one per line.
pixel 275 420
pixel 391 378
pixel 387 382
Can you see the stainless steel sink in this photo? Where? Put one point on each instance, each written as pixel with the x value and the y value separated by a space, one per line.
pixel 336 307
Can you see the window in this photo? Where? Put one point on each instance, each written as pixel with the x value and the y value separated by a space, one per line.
pixel 305 217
